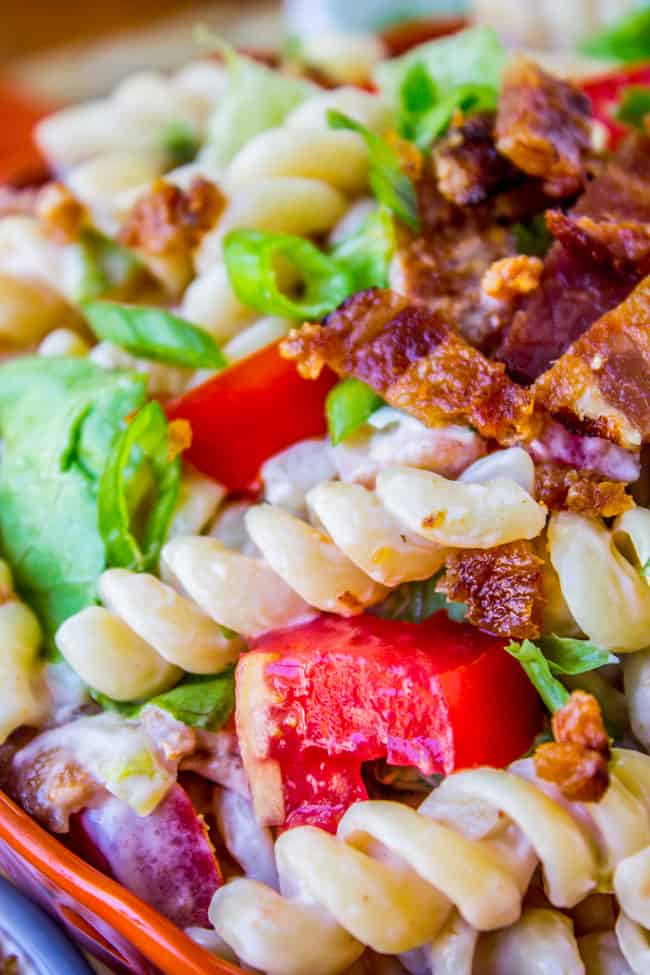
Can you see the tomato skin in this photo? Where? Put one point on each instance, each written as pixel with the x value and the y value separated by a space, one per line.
pixel 336 693
pixel 249 412
pixel 605 93
pixel 21 163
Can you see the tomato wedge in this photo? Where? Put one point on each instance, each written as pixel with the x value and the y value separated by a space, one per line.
pixel 316 701
pixel 21 162
pixel 249 412
pixel 605 92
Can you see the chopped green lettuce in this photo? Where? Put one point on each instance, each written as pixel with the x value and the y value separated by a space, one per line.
pixel 348 406
pixel 626 40
pixel 59 419
pixel 557 655
pixel 365 255
pixel 257 98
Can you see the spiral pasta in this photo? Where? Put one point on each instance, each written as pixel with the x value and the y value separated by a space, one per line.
pixel 446 875
pixel 22 698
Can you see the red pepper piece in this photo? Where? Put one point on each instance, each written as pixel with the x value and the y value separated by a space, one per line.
pixel 606 91
pixel 316 701
pixel 249 412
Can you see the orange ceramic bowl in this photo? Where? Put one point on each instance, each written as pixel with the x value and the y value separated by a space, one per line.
pixel 103 917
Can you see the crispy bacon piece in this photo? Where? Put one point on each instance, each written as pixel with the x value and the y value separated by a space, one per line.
pixel 61 214
pixel 501 586
pixel 413 359
pixel 466 163
pixel 543 127
pixel 577 760
pixel 554 444
pixel 562 488
pixel 601 253
pixel 512 276
pixel 601 382
pixel 169 220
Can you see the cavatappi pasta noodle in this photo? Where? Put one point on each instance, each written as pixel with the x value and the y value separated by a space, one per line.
pixel 340 688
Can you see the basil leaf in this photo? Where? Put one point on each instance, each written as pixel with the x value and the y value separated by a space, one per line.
pixel 200 701
pixel 365 255
pixel 634 106
pixel 153 333
pixel 104 266
pixel 58 421
pixel 425 113
pixel 251 258
pixel 389 182
pixel 626 40
pixel 418 92
pixel 533 238
pixel 552 692
pixel 470 57
pixel 414 602
pixel 138 461
pixel 348 406
pixel 180 142
pixel 568 656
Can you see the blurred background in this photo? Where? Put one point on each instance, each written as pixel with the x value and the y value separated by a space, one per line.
pixel 77 48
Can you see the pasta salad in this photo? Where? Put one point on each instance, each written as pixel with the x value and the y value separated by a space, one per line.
pixel 324 509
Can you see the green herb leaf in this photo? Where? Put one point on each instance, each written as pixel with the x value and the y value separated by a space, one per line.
pixel 257 98
pixel 568 656
pixel 365 255
pixel 626 40
pixel 533 237
pixel 645 569
pixel 634 106
pixel 413 602
pixel 348 406
pixel 200 701
pixel 138 463
pixel 389 182
pixel 58 421
pixel 552 692
pixel 252 259
pixel 103 267
pixel 470 57
pixel 154 333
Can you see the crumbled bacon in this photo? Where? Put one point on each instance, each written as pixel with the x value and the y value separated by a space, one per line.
pixel 543 127
pixel 169 220
pixel 577 760
pixel 601 382
pixel 512 276
pixel 467 165
pixel 599 256
pixel 562 488
pixel 414 360
pixel 554 444
pixel 61 214
pixel 501 586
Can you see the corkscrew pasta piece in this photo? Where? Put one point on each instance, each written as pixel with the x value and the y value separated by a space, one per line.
pixel 338 158
pixel 284 205
pixel 199 499
pixel 513 463
pixel 460 515
pixel 400 880
pixel 63 341
pixel 29 309
pixel 174 626
pixel 109 656
pixel 101 183
pixel 632 535
pixel 254 337
pixel 607 596
pixel 289 475
pixel 363 106
pixel 373 538
pixel 162 380
pixel 237 591
pixel 310 563
pixel 210 302
pixel 23 700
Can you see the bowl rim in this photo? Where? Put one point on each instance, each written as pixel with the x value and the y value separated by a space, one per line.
pixel 158 939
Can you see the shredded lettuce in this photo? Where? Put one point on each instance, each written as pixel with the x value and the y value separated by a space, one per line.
pixel 390 184
pixel 627 40
pixel 257 98
pixel 634 106
pixel 348 406
pixel 138 464
pixel 425 112
pixel 473 57
pixel 153 333
pixel 557 655
pixel 414 602
pixel 365 255
pixel 252 259
pixel 58 421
